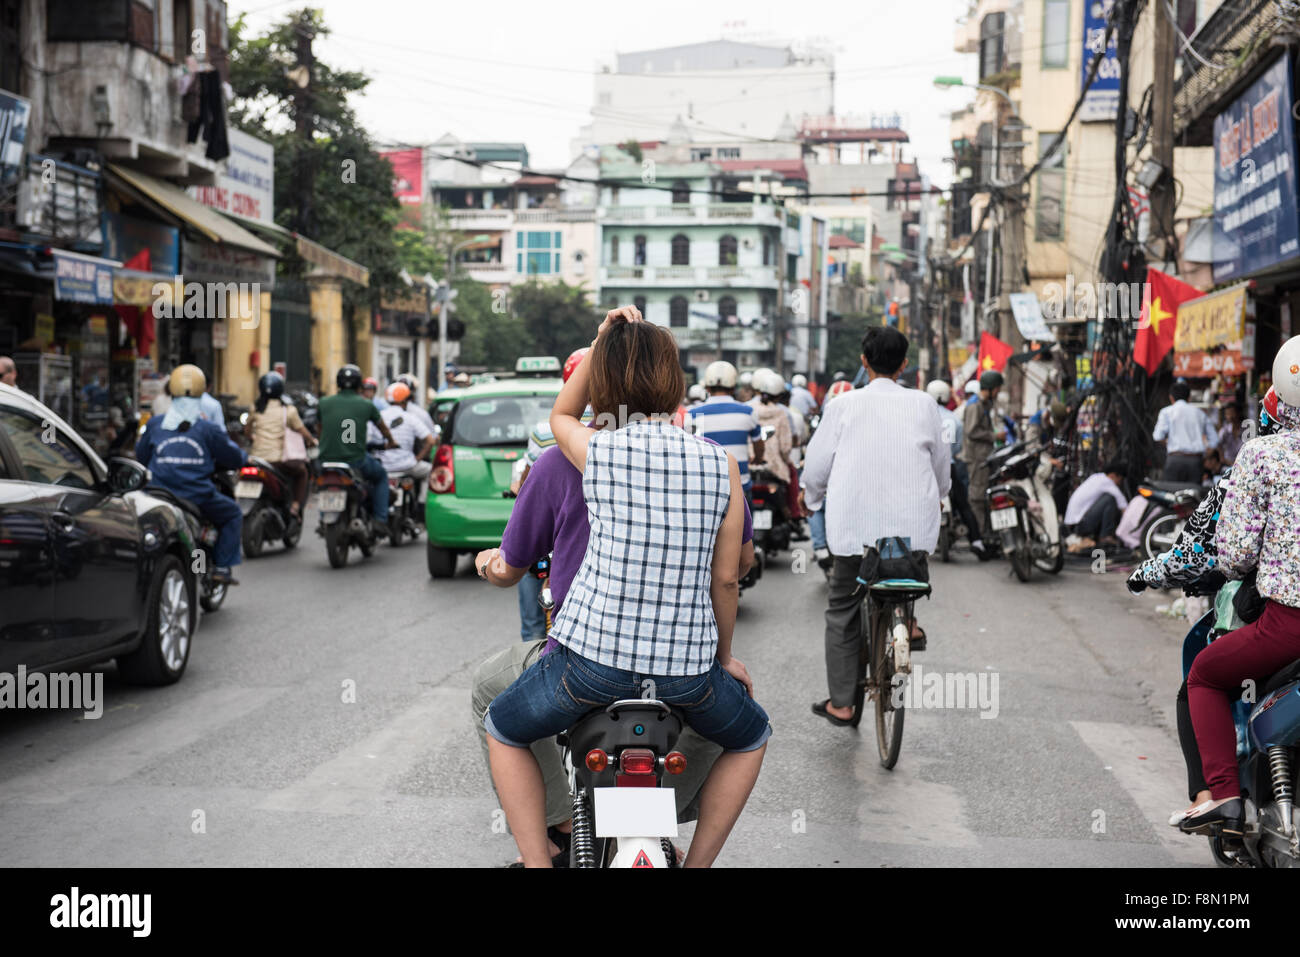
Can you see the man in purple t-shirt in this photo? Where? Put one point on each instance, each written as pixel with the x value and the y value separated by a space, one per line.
pixel 550 517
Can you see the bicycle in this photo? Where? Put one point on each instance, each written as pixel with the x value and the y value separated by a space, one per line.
pixel 886 652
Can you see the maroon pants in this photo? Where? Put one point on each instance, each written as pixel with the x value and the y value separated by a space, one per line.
pixel 1256 651
pixel 297 472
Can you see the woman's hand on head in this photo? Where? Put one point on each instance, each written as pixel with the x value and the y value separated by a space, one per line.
pixel 621 314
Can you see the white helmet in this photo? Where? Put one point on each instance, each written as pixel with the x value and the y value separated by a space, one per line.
pixel 799 382
pixel 720 375
pixel 973 387
pixel 696 393
pixel 746 378
pixel 939 390
pixel 1286 372
pixel 768 382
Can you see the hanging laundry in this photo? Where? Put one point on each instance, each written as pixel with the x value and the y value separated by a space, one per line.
pixel 211 120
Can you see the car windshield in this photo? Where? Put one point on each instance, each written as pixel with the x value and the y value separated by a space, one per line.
pixel 499 420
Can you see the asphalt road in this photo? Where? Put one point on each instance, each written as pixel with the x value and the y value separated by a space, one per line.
pixel 260 755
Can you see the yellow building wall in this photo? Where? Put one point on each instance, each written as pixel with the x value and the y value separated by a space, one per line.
pixel 328 336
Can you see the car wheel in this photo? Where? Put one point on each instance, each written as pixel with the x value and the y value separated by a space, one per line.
pixel 164 648
pixel 442 561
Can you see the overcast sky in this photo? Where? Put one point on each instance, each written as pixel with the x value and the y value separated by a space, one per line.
pixel 512 70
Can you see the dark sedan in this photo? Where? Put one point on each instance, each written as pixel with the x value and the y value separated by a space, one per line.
pixel 91 566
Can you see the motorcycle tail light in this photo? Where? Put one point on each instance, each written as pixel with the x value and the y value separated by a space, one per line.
pixel 333 480
pixel 250 471
pixel 637 761
pixel 675 762
pixel 442 477
pixel 1144 491
pixel 1001 501
pixel 597 760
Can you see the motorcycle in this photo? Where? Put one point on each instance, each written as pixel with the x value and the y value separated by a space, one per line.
pixel 751 577
pixel 1169 504
pixel 617 758
pixel 405 510
pixel 769 513
pixel 1022 511
pixel 343 496
pixel 204 533
pixel 949 530
pixel 265 495
pixel 1268 752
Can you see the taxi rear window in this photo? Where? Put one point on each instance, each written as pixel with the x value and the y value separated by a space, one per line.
pixel 496 421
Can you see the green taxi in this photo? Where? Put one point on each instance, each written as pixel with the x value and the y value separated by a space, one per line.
pixel 484 436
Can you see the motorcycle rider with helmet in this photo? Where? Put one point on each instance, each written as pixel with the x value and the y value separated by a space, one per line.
pixel 413 439
pixel 272 417
pixel 416 408
pixel 181 449
pixel 728 421
pixel 343 418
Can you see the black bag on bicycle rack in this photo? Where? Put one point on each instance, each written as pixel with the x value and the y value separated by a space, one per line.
pixel 892 558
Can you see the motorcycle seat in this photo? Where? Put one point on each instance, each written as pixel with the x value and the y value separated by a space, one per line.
pixel 1288 674
pixel 1174 486
pixel 899 590
pixel 184 503
pixel 344 467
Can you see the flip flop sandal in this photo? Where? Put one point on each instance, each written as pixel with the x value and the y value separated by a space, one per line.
pixel 820 709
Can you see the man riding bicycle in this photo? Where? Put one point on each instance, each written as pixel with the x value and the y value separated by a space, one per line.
pixel 865 502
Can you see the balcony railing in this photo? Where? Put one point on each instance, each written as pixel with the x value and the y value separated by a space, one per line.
pixel 1234 39
pixel 488 218
pixel 700 213
pixel 758 276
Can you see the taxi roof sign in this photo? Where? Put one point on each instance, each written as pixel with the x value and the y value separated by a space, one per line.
pixel 537 364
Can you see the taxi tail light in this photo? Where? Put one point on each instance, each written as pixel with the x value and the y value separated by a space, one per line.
pixel 442 477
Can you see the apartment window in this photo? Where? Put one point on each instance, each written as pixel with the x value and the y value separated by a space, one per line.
pixel 1056 34
pixel 613 250
pixel 727 250
pixel 639 302
pixel 728 152
pixel 180 30
pixel 677 311
pixel 681 193
pixel 638 251
pixel 75 20
pixel 891 198
pixel 681 250
pixel 1049 219
pixel 699 154
pixel 543 254
pixel 727 310
pixel 604 99
pixel 767 250
pixel 992 50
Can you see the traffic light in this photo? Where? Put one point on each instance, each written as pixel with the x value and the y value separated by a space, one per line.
pixel 455 329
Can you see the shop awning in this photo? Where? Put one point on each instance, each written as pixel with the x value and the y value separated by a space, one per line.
pixel 174 200
pixel 328 261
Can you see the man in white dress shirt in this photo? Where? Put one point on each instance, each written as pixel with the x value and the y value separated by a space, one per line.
pixel 1187 432
pixel 880 461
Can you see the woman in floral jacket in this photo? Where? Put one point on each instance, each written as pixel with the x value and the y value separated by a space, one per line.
pixel 1259 530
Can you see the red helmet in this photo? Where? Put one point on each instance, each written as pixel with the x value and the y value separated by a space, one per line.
pixel 370 382
pixel 571 363
pixel 1270 403
pixel 838 388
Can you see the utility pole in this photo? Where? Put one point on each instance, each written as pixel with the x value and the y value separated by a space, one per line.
pixel 1162 132
pixel 304 122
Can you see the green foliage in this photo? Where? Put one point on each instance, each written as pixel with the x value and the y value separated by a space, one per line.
pixel 493 337
pixel 844 350
pixel 558 318
pixel 632 148
pixel 351 208
pixel 417 253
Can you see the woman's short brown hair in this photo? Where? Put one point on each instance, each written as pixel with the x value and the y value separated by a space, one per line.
pixel 635 371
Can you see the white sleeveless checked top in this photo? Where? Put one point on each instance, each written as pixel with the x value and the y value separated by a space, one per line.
pixel 656 497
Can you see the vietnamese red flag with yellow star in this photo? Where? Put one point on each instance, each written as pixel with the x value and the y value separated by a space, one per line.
pixel 993 353
pixel 1160 299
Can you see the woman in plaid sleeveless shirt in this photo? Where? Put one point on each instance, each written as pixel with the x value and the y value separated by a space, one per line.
pixel 655 598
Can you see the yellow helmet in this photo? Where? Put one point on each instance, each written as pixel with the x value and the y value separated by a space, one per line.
pixel 187 380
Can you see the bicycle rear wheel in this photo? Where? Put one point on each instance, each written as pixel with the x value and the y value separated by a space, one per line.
pixel 889 716
pixel 864 667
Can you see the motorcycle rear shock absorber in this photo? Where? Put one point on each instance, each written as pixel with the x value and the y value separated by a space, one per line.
pixel 584 850
pixel 1279 766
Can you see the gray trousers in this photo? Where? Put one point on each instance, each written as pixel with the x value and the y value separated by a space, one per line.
pixel 845 630
pixel 498 672
pixel 1183 467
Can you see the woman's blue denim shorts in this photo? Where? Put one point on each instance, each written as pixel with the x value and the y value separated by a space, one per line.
pixel 562 687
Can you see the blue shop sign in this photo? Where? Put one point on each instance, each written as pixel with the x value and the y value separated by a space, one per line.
pixel 1101 101
pixel 1255 223
pixel 82 279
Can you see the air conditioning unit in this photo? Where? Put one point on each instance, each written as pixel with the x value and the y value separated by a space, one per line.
pixel 701 295
pixel 748 243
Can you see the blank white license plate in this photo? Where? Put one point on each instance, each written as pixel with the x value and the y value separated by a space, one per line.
pixel 762 520
pixel 1003 518
pixel 635 812
pixel 248 490
pixel 333 500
